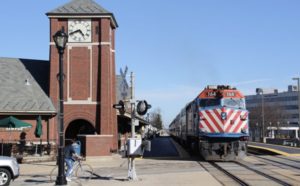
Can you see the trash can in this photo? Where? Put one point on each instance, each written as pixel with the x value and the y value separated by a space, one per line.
pixel 77 147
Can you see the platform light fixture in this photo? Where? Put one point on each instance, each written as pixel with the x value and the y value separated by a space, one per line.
pixel 260 91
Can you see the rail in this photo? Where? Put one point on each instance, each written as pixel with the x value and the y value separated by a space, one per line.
pixel 263 174
pixel 235 178
pixel 285 164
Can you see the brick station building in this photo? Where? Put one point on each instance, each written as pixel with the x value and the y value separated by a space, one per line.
pixel 89 83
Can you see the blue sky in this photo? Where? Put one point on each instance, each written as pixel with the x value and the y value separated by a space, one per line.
pixel 178 47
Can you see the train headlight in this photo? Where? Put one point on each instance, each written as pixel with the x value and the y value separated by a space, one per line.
pixel 244 131
pixel 223 115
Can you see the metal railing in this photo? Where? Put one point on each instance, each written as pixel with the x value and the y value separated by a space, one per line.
pixel 22 148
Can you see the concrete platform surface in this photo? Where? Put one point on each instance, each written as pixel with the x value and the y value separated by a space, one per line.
pixel 113 171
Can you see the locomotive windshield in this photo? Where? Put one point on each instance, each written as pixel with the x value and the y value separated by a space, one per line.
pixel 209 102
pixel 226 102
pixel 234 103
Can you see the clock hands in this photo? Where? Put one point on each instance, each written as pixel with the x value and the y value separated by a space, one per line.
pixel 74 32
pixel 78 30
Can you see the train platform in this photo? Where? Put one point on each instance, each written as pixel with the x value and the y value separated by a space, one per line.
pixel 171 168
pixel 275 149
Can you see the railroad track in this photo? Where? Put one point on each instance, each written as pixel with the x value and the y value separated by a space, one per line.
pixel 232 176
pixel 239 176
pixel 264 174
pixel 293 160
pixel 281 163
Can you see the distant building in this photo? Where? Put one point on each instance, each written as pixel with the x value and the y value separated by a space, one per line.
pixel 274 109
pixel 287 101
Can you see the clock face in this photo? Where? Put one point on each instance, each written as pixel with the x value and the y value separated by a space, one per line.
pixel 80 30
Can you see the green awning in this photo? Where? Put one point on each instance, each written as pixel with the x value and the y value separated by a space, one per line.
pixel 39 128
pixel 13 123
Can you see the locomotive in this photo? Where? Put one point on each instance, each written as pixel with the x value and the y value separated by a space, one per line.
pixel 214 124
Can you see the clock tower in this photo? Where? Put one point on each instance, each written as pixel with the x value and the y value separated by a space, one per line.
pixel 89 74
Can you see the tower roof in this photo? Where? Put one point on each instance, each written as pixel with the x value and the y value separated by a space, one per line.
pixel 81 8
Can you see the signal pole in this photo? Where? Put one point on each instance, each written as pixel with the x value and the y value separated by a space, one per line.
pixel 132 101
pixel 131 164
pixel 135 146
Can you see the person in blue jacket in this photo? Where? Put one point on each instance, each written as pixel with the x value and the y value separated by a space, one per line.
pixel 70 154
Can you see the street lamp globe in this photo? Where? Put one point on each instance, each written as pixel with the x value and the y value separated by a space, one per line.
pixel 60 38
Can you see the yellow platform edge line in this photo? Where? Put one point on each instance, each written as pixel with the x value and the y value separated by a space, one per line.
pixel 294 155
pixel 272 150
pixel 277 145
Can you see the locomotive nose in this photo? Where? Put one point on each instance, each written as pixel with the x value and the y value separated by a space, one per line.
pixel 236 120
pixel 224 120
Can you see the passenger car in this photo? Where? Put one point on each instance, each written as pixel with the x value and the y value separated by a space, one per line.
pixel 9 169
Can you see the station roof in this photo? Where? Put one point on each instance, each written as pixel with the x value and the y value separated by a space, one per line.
pixel 82 7
pixel 20 92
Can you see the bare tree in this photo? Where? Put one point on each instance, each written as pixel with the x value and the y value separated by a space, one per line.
pixel 274 115
pixel 156 119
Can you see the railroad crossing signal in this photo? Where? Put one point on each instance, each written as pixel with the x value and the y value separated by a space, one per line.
pixel 142 107
pixel 123 75
pixel 124 85
pixel 120 106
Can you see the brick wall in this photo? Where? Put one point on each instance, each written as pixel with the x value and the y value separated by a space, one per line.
pixel 96 145
pixel 79 74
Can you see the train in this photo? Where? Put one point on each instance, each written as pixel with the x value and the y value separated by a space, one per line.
pixel 214 124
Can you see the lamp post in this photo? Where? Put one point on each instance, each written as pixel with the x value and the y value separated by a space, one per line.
pixel 288 126
pixel 261 92
pixel 278 124
pixel 271 131
pixel 298 88
pixel 257 130
pixel 60 38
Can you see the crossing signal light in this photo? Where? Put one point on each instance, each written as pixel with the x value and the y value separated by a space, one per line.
pixel 120 106
pixel 142 107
